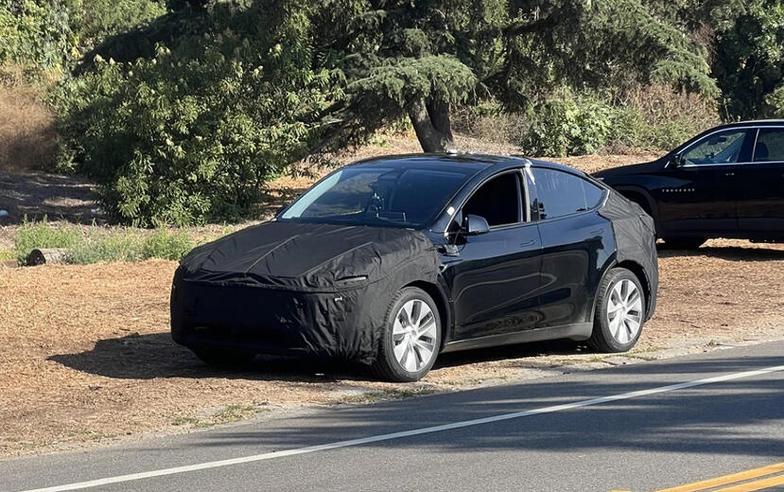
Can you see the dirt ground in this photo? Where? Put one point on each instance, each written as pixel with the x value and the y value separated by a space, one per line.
pixel 86 357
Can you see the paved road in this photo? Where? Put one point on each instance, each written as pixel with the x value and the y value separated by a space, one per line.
pixel 642 427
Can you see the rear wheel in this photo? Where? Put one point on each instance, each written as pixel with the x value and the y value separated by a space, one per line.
pixel 620 312
pixel 411 338
pixel 684 242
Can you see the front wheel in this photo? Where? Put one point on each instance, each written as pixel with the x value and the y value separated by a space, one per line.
pixel 411 337
pixel 620 312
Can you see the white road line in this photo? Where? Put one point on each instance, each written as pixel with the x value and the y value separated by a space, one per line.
pixel 399 435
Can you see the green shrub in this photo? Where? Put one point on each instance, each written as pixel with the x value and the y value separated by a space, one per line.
pixel 651 117
pixel 32 235
pixel 655 117
pixel 35 32
pixel 123 246
pixel 191 135
pixel 94 20
pixel 88 245
pixel 131 245
pixel 567 124
pixel 167 245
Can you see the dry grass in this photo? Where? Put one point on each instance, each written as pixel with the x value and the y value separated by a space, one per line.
pixel 85 352
pixel 28 139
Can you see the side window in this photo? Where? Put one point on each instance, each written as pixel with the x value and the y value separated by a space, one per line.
pixel 498 200
pixel 561 193
pixel 719 148
pixel 770 146
pixel 593 194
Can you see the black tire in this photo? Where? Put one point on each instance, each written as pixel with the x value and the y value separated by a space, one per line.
pixel 684 243
pixel 222 358
pixel 602 338
pixel 386 365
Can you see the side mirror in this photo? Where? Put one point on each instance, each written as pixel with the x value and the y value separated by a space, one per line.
pixel 476 224
pixel 675 161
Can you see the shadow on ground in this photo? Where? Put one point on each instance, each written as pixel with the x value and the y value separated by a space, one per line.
pixel 731 253
pixel 35 195
pixel 157 356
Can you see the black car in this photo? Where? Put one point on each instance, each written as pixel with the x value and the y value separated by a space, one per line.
pixel 726 182
pixel 392 261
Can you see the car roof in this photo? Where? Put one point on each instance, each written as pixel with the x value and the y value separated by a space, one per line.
pixel 743 124
pixel 478 162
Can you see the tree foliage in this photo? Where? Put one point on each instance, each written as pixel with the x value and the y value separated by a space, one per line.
pixel 181 116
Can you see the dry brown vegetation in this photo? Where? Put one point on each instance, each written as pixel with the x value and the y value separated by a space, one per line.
pixel 28 138
pixel 85 353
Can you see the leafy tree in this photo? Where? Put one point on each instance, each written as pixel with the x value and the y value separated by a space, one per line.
pixel 233 93
pixel 421 58
pixel 35 33
pixel 191 133
pixel 749 60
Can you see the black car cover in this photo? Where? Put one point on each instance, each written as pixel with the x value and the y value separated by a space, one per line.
pixel 286 287
pixel 635 241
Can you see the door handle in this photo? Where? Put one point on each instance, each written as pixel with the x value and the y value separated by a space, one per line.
pixel 527 243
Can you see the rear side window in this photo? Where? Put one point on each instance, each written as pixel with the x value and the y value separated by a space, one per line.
pixel 770 146
pixel 561 194
pixel 498 200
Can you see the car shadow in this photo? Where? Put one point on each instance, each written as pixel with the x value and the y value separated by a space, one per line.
pixel 155 355
pixel 731 253
pixel 509 352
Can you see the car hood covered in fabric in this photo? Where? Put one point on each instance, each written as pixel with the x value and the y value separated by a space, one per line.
pixel 307 256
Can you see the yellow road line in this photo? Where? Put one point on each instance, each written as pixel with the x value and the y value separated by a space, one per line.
pixel 763 484
pixel 729 479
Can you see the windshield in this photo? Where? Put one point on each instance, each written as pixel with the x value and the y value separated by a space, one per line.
pixel 402 197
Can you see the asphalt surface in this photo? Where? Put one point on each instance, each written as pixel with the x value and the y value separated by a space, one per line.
pixel 726 415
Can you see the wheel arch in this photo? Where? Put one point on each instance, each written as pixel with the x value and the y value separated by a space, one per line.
pixel 639 271
pixel 642 197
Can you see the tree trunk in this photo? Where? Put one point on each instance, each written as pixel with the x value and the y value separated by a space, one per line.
pixel 432 125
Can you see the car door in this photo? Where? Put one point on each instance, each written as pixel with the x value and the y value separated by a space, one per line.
pixel 699 197
pixel 759 187
pixel 493 277
pixel 574 250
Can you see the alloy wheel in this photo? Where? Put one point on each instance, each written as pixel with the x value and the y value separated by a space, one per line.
pixel 414 335
pixel 624 311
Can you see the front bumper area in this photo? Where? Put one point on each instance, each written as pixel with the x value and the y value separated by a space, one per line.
pixel 259 320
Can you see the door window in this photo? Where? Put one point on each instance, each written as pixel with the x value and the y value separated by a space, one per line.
pixel 498 201
pixel 719 148
pixel 770 146
pixel 560 193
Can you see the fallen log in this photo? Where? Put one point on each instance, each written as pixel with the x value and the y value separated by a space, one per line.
pixel 46 255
